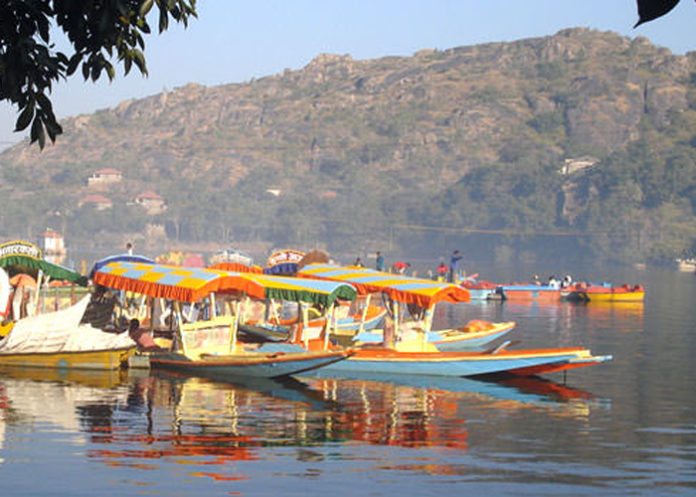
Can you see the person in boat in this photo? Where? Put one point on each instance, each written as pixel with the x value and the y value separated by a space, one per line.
pixel 442 270
pixel 400 267
pixel 142 337
pixel 23 298
pixel 102 308
pixel 567 281
pixel 358 262
pixel 553 282
pixel 379 263
pixel 454 266
pixel 536 280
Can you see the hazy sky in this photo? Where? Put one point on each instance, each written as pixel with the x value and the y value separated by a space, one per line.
pixel 234 41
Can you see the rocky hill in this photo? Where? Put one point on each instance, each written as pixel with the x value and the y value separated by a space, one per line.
pixel 342 149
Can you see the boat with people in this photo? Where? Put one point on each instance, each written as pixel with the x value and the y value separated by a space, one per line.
pixel 686 265
pixel 38 332
pixel 209 345
pixel 399 353
pixel 365 317
pixel 417 298
pixel 603 292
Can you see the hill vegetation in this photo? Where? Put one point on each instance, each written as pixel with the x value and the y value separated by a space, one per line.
pixel 581 142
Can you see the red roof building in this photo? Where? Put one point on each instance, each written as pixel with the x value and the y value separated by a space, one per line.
pixel 98 201
pixel 151 201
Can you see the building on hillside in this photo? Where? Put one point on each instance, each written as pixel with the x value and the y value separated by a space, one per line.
pixel 52 245
pixel 51 242
pixel 571 166
pixel 99 202
pixel 151 202
pixel 104 177
pixel 328 194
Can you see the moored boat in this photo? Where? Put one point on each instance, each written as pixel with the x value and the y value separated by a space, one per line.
pixel 210 346
pixel 589 292
pixel 529 292
pixel 56 339
pixel 398 354
pixel 482 289
pixel 521 363
pixel 418 298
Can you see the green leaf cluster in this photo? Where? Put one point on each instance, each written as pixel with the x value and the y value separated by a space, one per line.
pixel 98 32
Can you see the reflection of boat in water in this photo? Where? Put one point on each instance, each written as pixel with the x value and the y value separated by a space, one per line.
pixel 214 423
pixel 284 388
pixel 509 392
pixel 68 400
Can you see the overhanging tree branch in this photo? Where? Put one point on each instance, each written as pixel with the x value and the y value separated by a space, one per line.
pixel 99 31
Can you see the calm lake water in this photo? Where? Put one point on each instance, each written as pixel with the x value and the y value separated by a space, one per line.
pixel 627 427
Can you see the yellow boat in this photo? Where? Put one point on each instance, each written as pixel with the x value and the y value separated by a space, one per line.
pixel 108 359
pixel 588 292
pixel 57 339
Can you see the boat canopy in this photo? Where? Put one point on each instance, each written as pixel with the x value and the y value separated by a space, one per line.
pixel 174 282
pixel 192 284
pixel 315 291
pixel 405 289
pixel 120 258
pixel 236 267
pixel 24 257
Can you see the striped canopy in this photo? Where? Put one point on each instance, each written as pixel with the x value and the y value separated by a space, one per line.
pixel 236 267
pixel 192 284
pixel 119 258
pixel 173 282
pixel 406 289
pixel 304 290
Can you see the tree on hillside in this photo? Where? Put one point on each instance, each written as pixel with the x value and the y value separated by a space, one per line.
pixel 98 31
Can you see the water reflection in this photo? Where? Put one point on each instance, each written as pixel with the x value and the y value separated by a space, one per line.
pixel 169 435
pixel 137 421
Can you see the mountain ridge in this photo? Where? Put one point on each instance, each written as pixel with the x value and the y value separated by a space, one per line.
pixel 376 133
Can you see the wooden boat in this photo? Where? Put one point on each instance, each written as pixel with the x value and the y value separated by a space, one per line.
pixel 686 265
pixel 475 335
pixel 420 356
pixel 589 292
pixel 521 363
pixel 56 339
pixel 210 347
pixel 529 292
pixel 276 329
pixel 482 289
pixel 418 297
